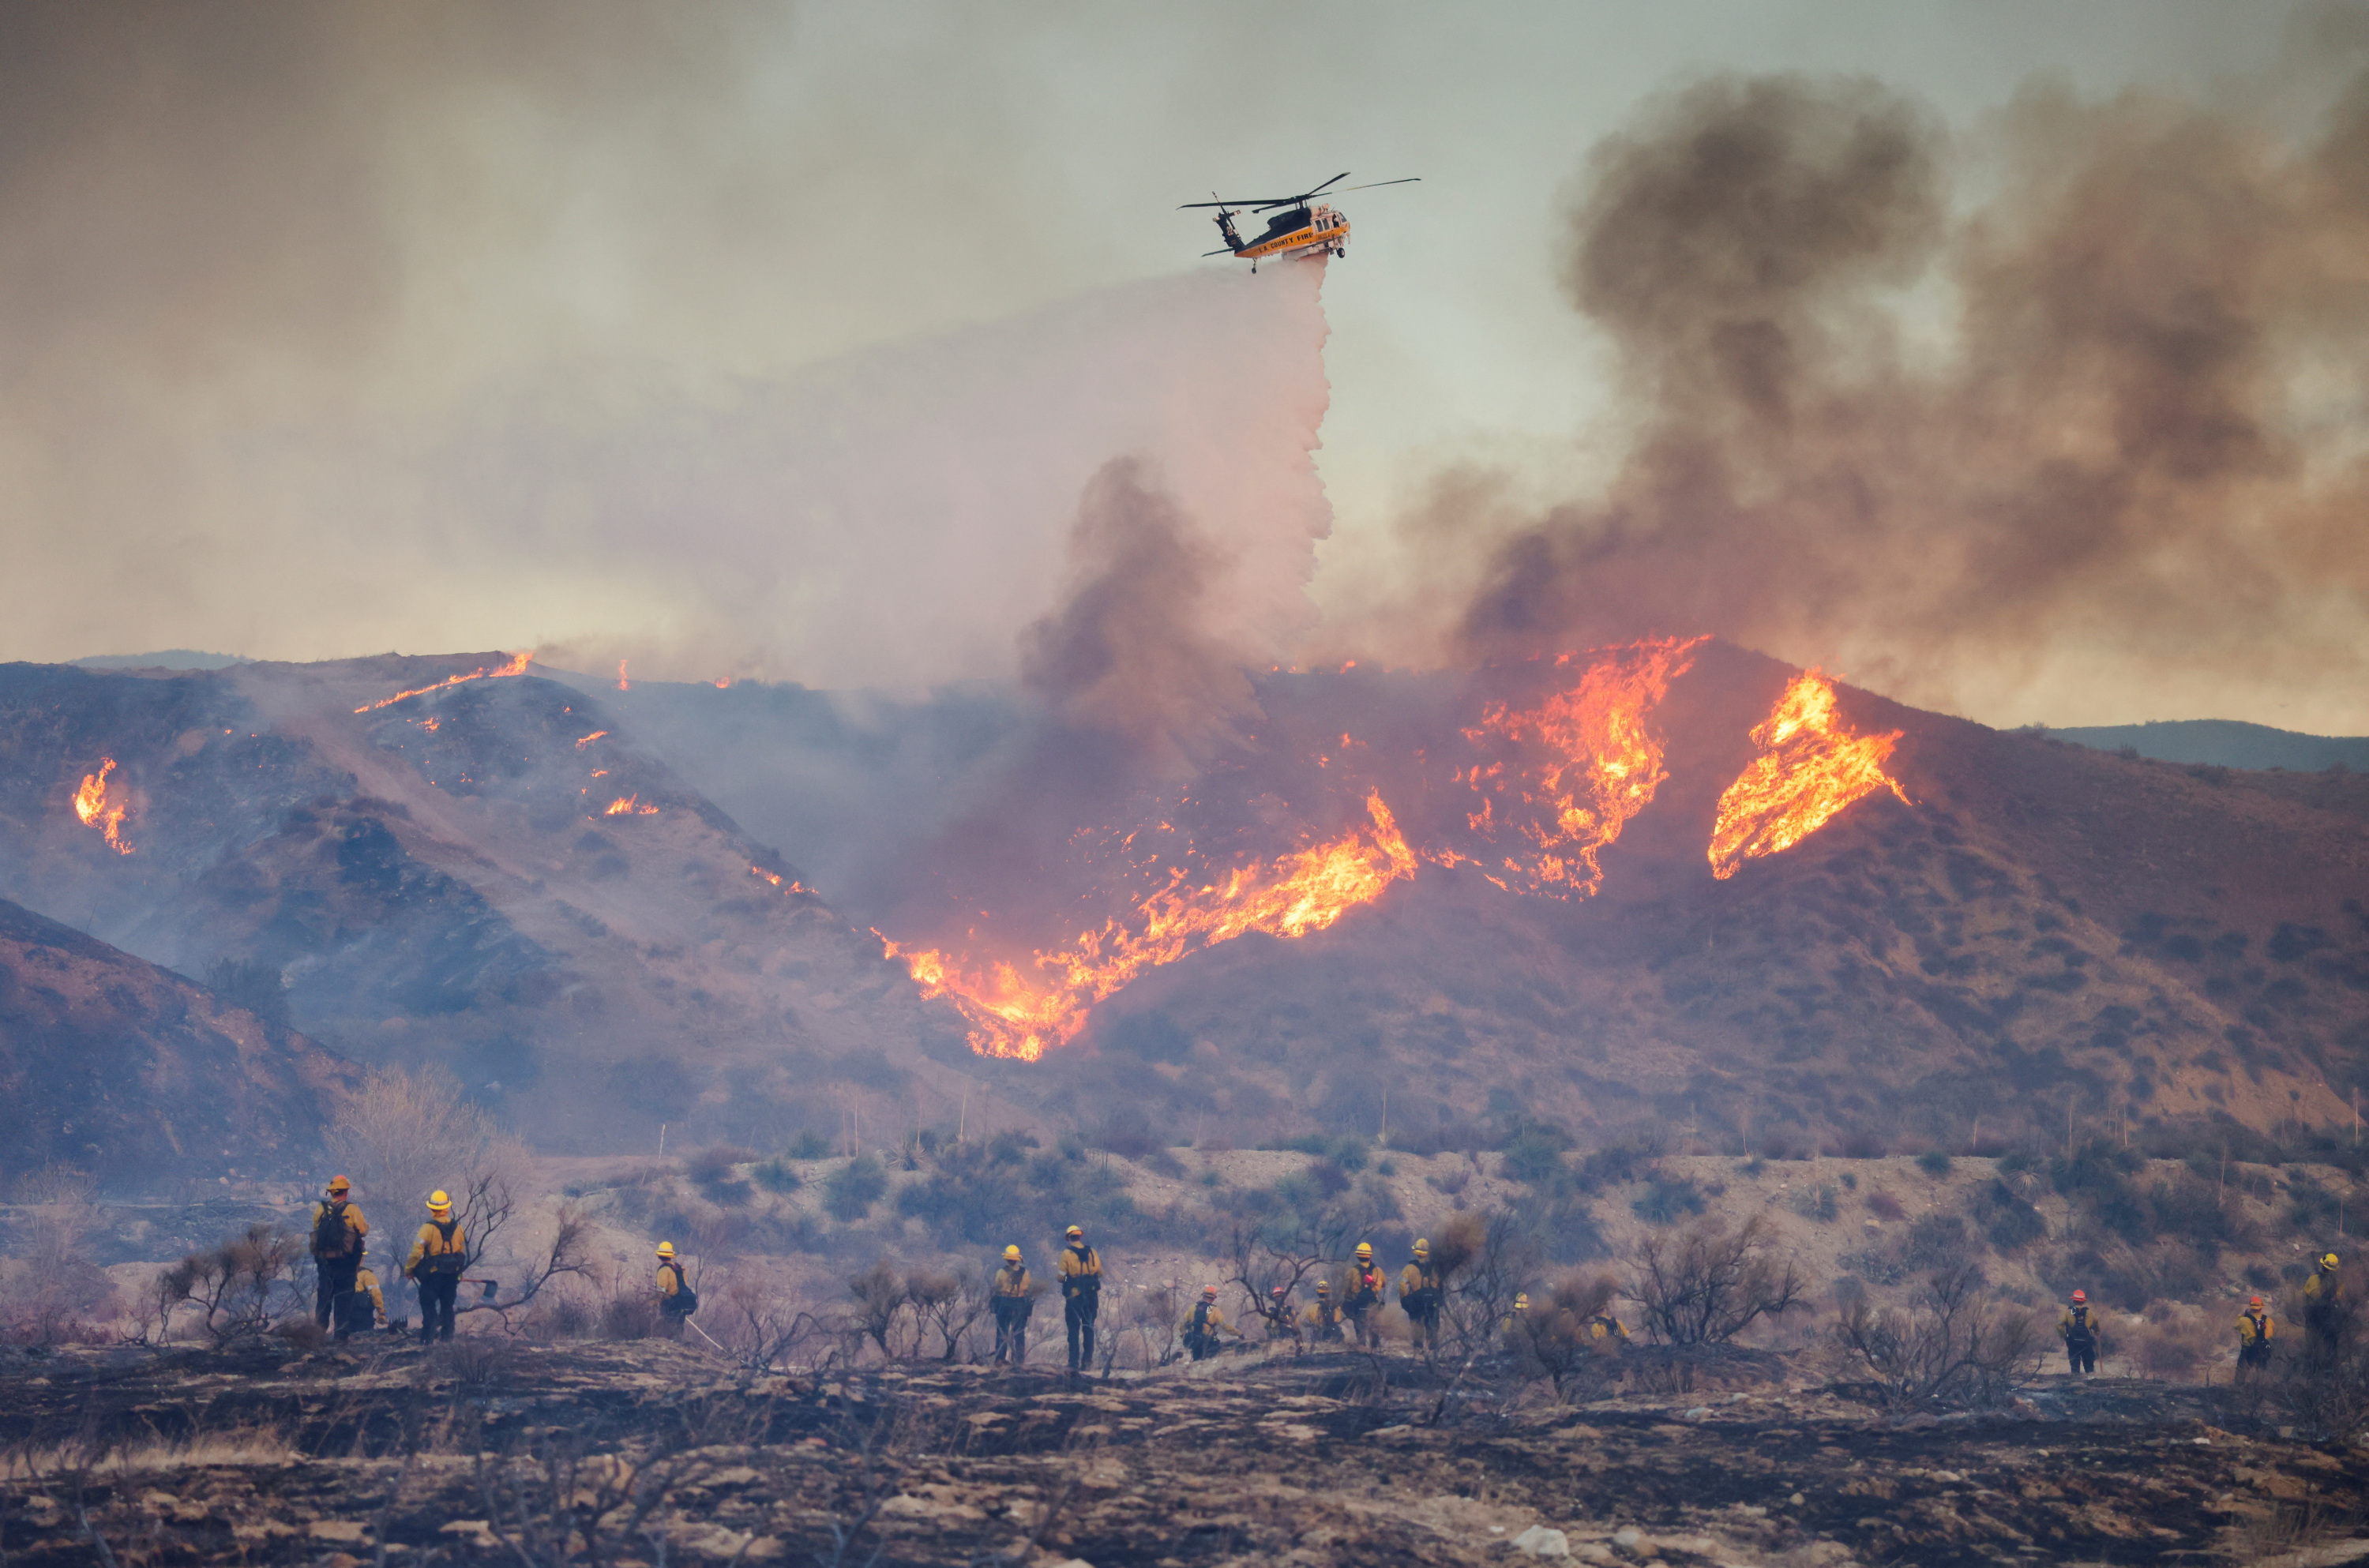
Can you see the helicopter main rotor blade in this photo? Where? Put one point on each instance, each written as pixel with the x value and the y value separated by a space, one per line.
pixel 1375 185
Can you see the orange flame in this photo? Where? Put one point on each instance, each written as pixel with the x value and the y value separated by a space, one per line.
pixel 91 805
pixel 630 806
pixel 1306 891
pixel 723 682
pixel 590 739
pixel 1811 766
pixel 517 666
pixel 1603 763
pixel 776 878
pixel 623 684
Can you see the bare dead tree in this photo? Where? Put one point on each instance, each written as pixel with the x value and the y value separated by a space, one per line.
pixel 490 1208
pixel 1706 1284
pixel 1953 1345
pixel 948 1305
pixel 1553 1339
pixel 883 1304
pixel 232 1284
pixel 1486 1260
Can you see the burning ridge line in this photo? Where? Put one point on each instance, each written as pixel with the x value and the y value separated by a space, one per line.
pixel 517 666
pixel 91 805
pixel 1812 765
pixel 1306 891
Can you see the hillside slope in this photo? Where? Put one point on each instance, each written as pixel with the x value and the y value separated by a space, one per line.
pixel 2048 931
pixel 449 880
pixel 113 1066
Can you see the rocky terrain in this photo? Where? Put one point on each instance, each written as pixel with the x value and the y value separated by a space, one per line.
pixel 527 1453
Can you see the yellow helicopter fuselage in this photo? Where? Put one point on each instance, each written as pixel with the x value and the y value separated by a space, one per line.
pixel 1326 229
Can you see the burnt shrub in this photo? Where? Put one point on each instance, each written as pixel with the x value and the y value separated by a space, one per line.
pixel 1534 1152
pixel 1666 1200
pixel 776 1176
pixel 991 1193
pixel 1885 1207
pixel 1933 1163
pixel 1616 1163
pixel 2008 1222
pixel 712 1172
pixel 849 1192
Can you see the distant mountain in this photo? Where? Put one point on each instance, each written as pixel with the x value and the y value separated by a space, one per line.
pixel 113 1066
pixel 170 659
pixel 2226 743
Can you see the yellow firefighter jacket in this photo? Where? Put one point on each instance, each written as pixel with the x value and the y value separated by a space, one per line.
pixel 1011 1282
pixel 1324 1317
pixel 1366 1288
pixel 1416 1279
pixel 2087 1324
pixel 366 1283
pixel 355 1227
pixel 440 1248
pixel 2255 1328
pixel 1082 1272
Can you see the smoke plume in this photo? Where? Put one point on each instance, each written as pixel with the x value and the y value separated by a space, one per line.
pixel 1126 653
pixel 2104 416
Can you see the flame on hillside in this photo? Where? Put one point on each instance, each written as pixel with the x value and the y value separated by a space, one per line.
pixel 590 739
pixel 517 666
pixel 1013 1014
pixel 1811 766
pixel 629 806
pixel 778 880
pixel 91 805
pixel 1574 769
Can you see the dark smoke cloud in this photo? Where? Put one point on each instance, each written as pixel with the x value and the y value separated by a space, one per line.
pixel 2138 441
pixel 1126 652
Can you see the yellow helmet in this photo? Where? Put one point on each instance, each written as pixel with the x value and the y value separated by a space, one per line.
pixel 1012 1254
pixel 1522 1301
pixel 1075 1233
pixel 2328 1261
pixel 339 1184
pixel 1324 1287
pixel 1422 1248
pixel 440 1201
pixel 1364 1252
pixel 666 1249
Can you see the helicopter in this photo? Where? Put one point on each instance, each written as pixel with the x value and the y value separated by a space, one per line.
pixel 1297 229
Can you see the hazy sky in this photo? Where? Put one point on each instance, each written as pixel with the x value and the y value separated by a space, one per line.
pixel 305 307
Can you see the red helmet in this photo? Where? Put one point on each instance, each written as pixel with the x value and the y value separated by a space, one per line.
pixel 2081 1295
pixel 2255 1302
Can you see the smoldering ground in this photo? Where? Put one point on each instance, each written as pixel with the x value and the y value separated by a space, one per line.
pixel 1961 414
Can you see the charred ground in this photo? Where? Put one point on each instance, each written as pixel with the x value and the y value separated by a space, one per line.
pixel 497 1450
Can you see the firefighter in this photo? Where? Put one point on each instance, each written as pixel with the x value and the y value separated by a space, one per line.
pixel 439 1255
pixel 1419 1294
pixel 1517 1321
pixel 361 1307
pixel 1323 1318
pixel 2079 1329
pixel 1365 1302
pixel 1604 1326
pixel 339 1232
pixel 1204 1323
pixel 1082 1296
pixel 2255 1329
pixel 1013 1300
pixel 2323 1308
pixel 1282 1321
pixel 677 1300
